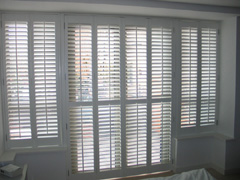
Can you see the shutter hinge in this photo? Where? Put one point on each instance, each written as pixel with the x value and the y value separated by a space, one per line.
pixel 64 25
pixel 68 172
pixel 216 121
pixel 218 77
pixel 6 137
pixel 172 161
pixel 173 119
pixel 66 127
pixel 1 24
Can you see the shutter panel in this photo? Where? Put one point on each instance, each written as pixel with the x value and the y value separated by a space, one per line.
pixel 189 60
pixel 44 45
pixel 208 76
pixel 136 62
pixel 109 118
pixel 17 80
pixel 108 62
pixel 161 132
pixel 161 63
pixel 136 134
pixel 81 139
pixel 80 62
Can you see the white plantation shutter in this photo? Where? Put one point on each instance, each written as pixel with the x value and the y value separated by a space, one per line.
pixel 31 80
pixel 17 79
pixel 80 62
pixel 161 132
pixel 81 138
pixel 208 76
pixel 189 65
pixel 161 63
pixel 109 122
pixel 44 45
pixel 136 134
pixel 136 62
pixel 108 62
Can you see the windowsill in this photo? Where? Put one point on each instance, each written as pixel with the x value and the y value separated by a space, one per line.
pixel 9 155
pixel 205 135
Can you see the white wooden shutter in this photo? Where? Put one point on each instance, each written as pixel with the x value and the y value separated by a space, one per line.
pixel 136 134
pixel 17 79
pixel 109 123
pixel 189 65
pixel 44 45
pixel 161 132
pixel 81 139
pixel 108 62
pixel 208 76
pixel 161 63
pixel 80 62
pixel 136 62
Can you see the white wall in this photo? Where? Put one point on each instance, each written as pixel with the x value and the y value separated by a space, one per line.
pixel 227 77
pixel 44 165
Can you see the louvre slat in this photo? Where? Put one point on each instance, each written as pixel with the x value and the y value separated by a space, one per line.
pixel 136 134
pixel 109 120
pixel 208 76
pixel 80 62
pixel 16 51
pixel 189 56
pixel 45 79
pixel 161 133
pixel 136 62
pixel 108 62
pixel 161 58
pixel 81 139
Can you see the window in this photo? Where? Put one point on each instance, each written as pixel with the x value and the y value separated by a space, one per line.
pixel 198 75
pixel 130 84
pixel 119 103
pixel 31 81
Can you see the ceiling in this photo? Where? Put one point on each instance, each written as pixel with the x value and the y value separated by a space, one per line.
pixel 229 3
pixel 195 9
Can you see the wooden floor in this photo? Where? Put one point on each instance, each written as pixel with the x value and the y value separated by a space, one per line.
pixel 214 173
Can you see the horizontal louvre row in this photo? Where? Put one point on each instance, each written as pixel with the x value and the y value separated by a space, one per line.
pixel 44 45
pixel 79 62
pixel 108 62
pixel 208 76
pixel 17 80
pixel 81 139
pixel 136 134
pixel 161 63
pixel 161 132
pixel 189 65
pixel 136 62
pixel 109 123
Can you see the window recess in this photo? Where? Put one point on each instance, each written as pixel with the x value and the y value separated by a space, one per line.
pixel 30 66
pixel 198 74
